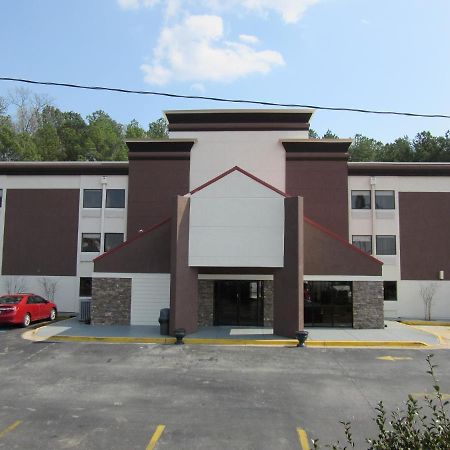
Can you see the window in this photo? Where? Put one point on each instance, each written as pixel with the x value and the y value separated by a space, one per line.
pixel 115 198
pixel 384 200
pixel 85 287
pixel 390 290
pixel 361 200
pixel 90 242
pixel 386 245
pixel 112 240
pixel 1 197
pixel 92 198
pixel 364 243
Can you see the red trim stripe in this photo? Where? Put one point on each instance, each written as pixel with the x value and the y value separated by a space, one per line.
pixel 339 238
pixel 134 238
pixel 244 172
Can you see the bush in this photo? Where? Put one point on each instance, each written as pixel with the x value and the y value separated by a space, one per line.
pixel 410 428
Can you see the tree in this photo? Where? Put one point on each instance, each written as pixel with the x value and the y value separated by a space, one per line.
pixel 312 134
pixel 427 293
pixel 29 108
pixel 400 150
pixel 47 143
pixel 330 135
pixel 365 149
pixel 8 145
pixel 107 136
pixel 159 129
pixel 134 130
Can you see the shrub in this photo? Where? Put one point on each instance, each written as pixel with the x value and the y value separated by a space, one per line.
pixel 410 428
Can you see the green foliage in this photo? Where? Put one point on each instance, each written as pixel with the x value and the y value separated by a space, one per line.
pixel 37 130
pixel 409 428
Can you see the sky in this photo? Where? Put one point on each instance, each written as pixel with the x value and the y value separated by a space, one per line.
pixel 370 54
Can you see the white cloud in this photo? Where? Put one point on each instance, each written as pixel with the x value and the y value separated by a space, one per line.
pixel 248 39
pixel 195 50
pixel 290 10
pixel 136 4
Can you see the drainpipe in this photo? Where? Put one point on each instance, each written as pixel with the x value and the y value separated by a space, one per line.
pixel 102 218
pixel 373 183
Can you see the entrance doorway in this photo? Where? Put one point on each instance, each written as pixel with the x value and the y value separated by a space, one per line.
pixel 239 302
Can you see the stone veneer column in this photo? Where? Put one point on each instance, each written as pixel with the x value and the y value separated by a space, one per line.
pixel 268 303
pixel 368 303
pixel 205 303
pixel 111 301
pixel 288 316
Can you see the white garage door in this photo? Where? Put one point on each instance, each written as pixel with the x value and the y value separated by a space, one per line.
pixel 149 294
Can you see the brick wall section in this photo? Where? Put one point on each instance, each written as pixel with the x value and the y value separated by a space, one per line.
pixel 368 304
pixel 205 303
pixel 268 303
pixel 111 301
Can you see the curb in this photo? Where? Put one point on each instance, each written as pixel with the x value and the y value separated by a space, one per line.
pixel 426 323
pixel 238 342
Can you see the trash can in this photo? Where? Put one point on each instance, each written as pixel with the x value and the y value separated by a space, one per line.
pixel 163 320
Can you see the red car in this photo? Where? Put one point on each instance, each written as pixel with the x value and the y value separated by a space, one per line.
pixel 22 309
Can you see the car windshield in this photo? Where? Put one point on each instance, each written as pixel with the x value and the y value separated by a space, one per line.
pixel 10 300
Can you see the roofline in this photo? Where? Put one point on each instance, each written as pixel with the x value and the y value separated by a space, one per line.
pixel 245 111
pixel 321 141
pixel 132 239
pixel 244 172
pixel 339 238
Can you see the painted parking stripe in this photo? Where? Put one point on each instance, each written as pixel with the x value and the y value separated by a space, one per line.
pixel 10 428
pixel 303 439
pixel 155 438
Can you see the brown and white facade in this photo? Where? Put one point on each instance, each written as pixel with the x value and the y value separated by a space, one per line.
pixel 237 219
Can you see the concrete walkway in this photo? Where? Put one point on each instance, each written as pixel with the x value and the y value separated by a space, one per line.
pixel 393 335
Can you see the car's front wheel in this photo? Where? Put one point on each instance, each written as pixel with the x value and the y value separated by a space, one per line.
pixel 53 314
pixel 26 320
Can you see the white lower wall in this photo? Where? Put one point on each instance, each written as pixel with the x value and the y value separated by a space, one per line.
pixel 66 292
pixel 149 294
pixel 410 303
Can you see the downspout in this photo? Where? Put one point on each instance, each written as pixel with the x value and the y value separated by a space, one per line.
pixel 102 218
pixel 373 182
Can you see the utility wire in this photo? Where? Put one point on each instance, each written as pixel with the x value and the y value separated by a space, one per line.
pixel 223 100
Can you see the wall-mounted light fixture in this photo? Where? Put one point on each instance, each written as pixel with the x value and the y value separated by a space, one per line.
pixel 441 275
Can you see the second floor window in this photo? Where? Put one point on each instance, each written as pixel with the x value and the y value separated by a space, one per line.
pixel 384 200
pixel 115 198
pixel 90 242
pixel 386 245
pixel 92 198
pixel 364 243
pixel 361 200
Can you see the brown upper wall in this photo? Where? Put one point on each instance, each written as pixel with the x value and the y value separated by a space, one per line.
pixel 158 172
pixel 238 120
pixel 146 252
pixel 316 169
pixel 328 254
pixel 41 232
pixel 401 169
pixel 424 239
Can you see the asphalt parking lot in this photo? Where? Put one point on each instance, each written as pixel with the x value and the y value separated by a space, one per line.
pixel 131 396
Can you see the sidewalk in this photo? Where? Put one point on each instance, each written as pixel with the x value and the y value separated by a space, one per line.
pixel 395 335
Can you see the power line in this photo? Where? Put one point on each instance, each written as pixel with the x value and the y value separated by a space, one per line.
pixel 224 100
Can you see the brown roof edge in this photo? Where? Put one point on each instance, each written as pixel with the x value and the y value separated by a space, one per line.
pixel 244 172
pixel 316 145
pixel 340 239
pixel 133 238
pixel 64 168
pixel 399 168
pixel 160 146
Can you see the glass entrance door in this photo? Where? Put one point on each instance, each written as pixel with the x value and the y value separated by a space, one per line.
pixel 238 302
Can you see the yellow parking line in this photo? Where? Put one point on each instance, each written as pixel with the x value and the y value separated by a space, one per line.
pixel 10 428
pixel 303 438
pixel 155 438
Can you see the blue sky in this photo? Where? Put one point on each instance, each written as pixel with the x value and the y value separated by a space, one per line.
pixel 383 54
